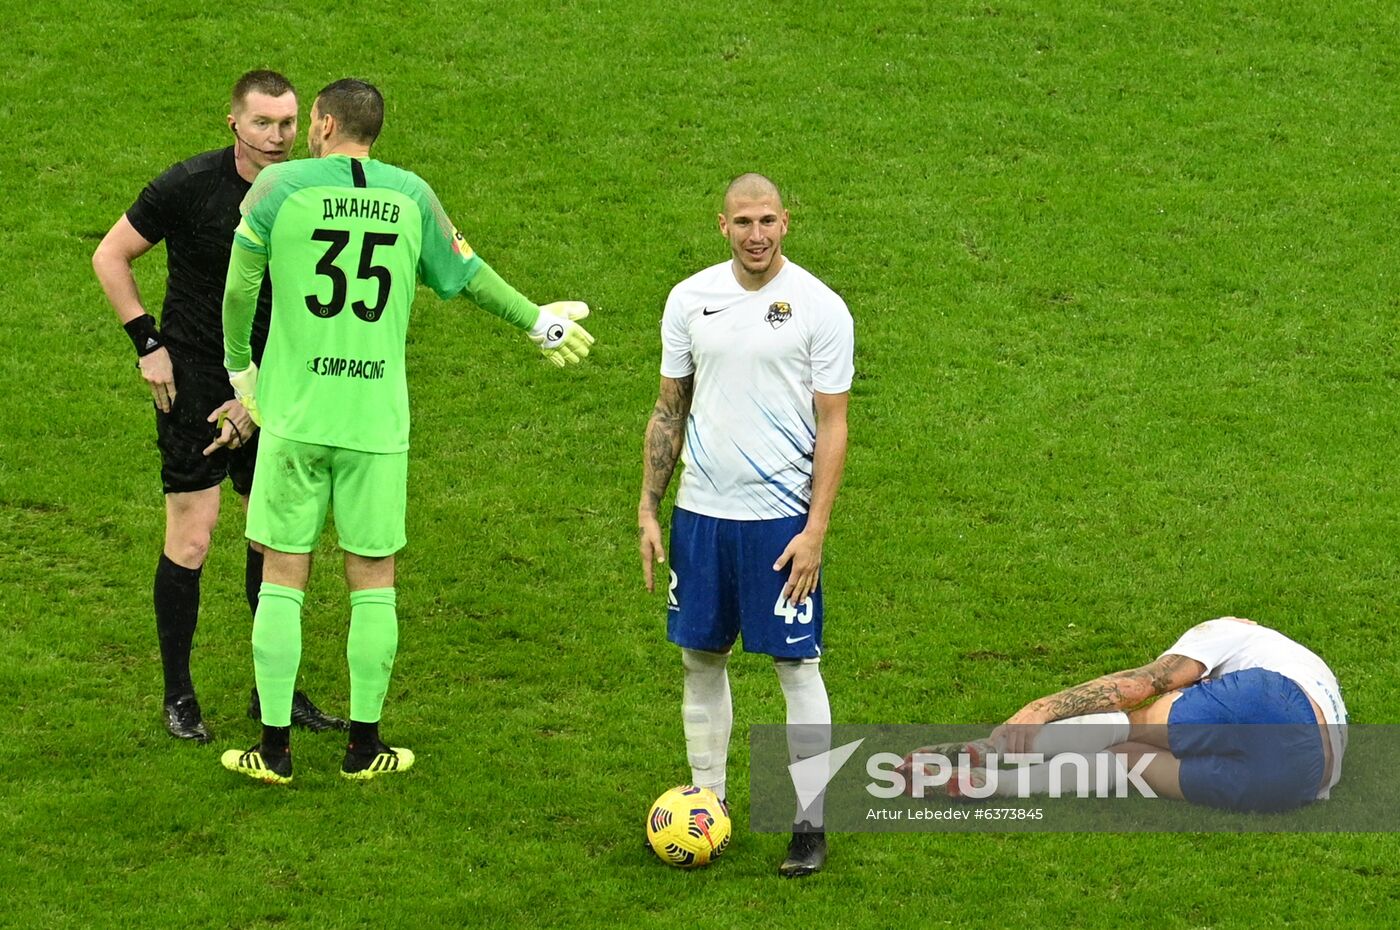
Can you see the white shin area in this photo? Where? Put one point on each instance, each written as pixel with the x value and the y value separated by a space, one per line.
pixel 708 715
pixel 1087 733
pixel 808 720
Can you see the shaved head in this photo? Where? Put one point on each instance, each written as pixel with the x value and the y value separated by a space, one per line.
pixel 751 186
pixel 754 222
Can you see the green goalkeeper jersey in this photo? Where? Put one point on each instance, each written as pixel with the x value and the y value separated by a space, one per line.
pixel 345 240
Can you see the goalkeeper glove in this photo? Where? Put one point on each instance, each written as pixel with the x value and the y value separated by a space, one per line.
pixel 560 339
pixel 245 386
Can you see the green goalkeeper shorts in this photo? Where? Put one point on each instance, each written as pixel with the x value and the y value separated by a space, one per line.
pixel 295 483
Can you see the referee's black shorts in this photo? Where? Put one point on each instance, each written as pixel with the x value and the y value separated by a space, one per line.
pixel 183 434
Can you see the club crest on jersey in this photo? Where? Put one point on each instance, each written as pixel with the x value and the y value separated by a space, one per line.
pixel 779 312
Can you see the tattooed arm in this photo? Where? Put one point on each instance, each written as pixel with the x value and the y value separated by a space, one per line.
pixel 1117 691
pixel 665 433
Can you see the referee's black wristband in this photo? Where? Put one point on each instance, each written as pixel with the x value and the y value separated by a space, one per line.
pixel 144 335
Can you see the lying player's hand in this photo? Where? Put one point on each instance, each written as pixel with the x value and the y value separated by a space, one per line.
pixel 159 375
pixel 908 768
pixel 653 552
pixel 562 340
pixel 1019 731
pixel 804 554
pixel 235 427
pixel 245 388
pixel 961 756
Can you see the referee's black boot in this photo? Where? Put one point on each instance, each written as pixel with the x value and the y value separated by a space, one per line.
pixel 304 714
pixel 806 852
pixel 184 720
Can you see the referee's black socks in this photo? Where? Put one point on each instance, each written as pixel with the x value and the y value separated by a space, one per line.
pixel 177 614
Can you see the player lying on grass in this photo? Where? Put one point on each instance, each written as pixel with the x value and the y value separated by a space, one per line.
pixel 1250 721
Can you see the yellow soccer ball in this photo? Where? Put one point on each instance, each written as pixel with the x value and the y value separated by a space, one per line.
pixel 688 827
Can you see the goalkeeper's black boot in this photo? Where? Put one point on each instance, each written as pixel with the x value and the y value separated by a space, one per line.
pixel 365 762
pixel 806 852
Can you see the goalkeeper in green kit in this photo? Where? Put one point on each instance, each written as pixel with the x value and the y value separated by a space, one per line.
pixel 346 239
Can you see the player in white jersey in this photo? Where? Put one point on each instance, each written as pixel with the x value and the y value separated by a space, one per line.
pixel 757 362
pixel 1251 721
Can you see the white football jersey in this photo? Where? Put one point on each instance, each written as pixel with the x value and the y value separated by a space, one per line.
pixel 757 357
pixel 1226 645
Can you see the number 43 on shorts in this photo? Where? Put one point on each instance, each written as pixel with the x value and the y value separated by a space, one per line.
pixel 800 613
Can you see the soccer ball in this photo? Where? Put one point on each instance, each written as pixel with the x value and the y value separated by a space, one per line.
pixel 688 827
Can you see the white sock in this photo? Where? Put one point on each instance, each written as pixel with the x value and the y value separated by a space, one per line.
pixel 1085 734
pixel 1103 773
pixel 708 716
pixel 808 720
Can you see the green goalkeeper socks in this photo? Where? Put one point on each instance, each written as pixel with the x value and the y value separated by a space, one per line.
pixel 370 650
pixel 277 651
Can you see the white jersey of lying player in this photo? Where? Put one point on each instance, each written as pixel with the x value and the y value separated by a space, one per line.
pixel 1229 644
pixel 757 357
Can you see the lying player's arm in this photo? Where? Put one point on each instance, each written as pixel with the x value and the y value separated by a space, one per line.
pixel 1117 691
pixel 661 451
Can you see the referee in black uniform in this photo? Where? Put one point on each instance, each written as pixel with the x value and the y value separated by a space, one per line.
pixel 194 207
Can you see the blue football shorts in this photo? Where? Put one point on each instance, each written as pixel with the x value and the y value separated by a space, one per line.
pixel 1247 741
pixel 723 586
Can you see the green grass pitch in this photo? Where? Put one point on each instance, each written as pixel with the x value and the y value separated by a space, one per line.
pixel 1124 282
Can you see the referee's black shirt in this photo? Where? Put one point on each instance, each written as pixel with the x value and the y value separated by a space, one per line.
pixel 193 206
